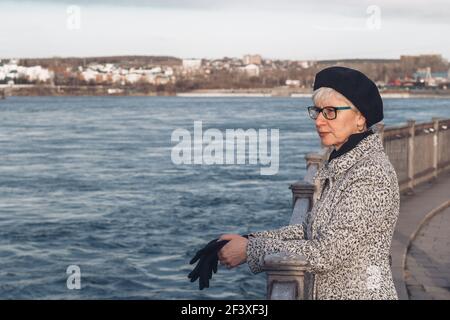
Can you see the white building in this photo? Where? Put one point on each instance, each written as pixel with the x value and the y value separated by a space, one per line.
pixel 155 70
pixel 89 75
pixel 12 70
pixel 192 64
pixel 109 67
pixel 10 67
pixel 168 72
pixel 304 64
pixel 252 59
pixel 160 79
pixel 252 70
pixel 35 73
pixel 293 83
pixel 133 77
pixel 115 77
pixel 115 91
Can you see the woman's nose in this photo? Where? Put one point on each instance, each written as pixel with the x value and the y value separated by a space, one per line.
pixel 320 120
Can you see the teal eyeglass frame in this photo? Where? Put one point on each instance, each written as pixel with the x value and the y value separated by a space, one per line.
pixel 314 111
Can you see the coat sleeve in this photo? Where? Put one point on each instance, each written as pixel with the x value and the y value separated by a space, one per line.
pixel 361 212
pixel 291 232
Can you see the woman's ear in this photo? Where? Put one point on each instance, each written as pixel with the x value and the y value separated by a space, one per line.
pixel 361 122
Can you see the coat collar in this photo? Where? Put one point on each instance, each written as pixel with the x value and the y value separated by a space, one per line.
pixel 351 142
pixel 339 165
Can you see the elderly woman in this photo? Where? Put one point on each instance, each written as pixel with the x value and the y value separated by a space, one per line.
pixel 347 236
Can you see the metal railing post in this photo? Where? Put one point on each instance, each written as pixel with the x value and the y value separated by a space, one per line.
pixel 411 125
pixel 435 146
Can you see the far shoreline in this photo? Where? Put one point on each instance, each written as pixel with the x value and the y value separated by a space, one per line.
pixel 277 92
pixel 225 95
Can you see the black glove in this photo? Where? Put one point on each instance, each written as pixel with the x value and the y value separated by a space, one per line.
pixel 209 259
pixel 207 264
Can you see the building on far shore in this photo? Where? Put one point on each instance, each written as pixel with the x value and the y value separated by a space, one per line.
pixel 192 64
pixel 293 83
pixel 252 59
pixel 12 71
pixel 431 79
pixel 252 70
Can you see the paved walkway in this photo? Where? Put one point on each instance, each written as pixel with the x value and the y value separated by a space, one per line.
pixel 427 270
pixel 420 248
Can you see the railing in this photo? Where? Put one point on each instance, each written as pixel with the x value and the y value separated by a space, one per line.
pixel 418 152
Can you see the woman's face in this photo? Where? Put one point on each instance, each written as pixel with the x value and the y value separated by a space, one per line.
pixel 336 132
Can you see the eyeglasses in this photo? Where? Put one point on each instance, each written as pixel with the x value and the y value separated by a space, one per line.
pixel 330 113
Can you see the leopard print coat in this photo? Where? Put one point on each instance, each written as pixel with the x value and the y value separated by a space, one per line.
pixel 346 237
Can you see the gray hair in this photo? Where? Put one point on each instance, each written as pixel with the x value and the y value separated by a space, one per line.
pixel 324 93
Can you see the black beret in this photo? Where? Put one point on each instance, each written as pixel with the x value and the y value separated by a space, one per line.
pixel 356 87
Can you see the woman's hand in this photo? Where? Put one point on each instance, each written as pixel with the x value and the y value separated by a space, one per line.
pixel 234 252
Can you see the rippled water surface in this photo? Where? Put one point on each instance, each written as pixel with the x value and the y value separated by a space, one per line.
pixel 89 181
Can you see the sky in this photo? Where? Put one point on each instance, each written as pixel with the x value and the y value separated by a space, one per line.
pixel 275 29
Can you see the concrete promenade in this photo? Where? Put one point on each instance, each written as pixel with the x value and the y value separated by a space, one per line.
pixel 421 243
